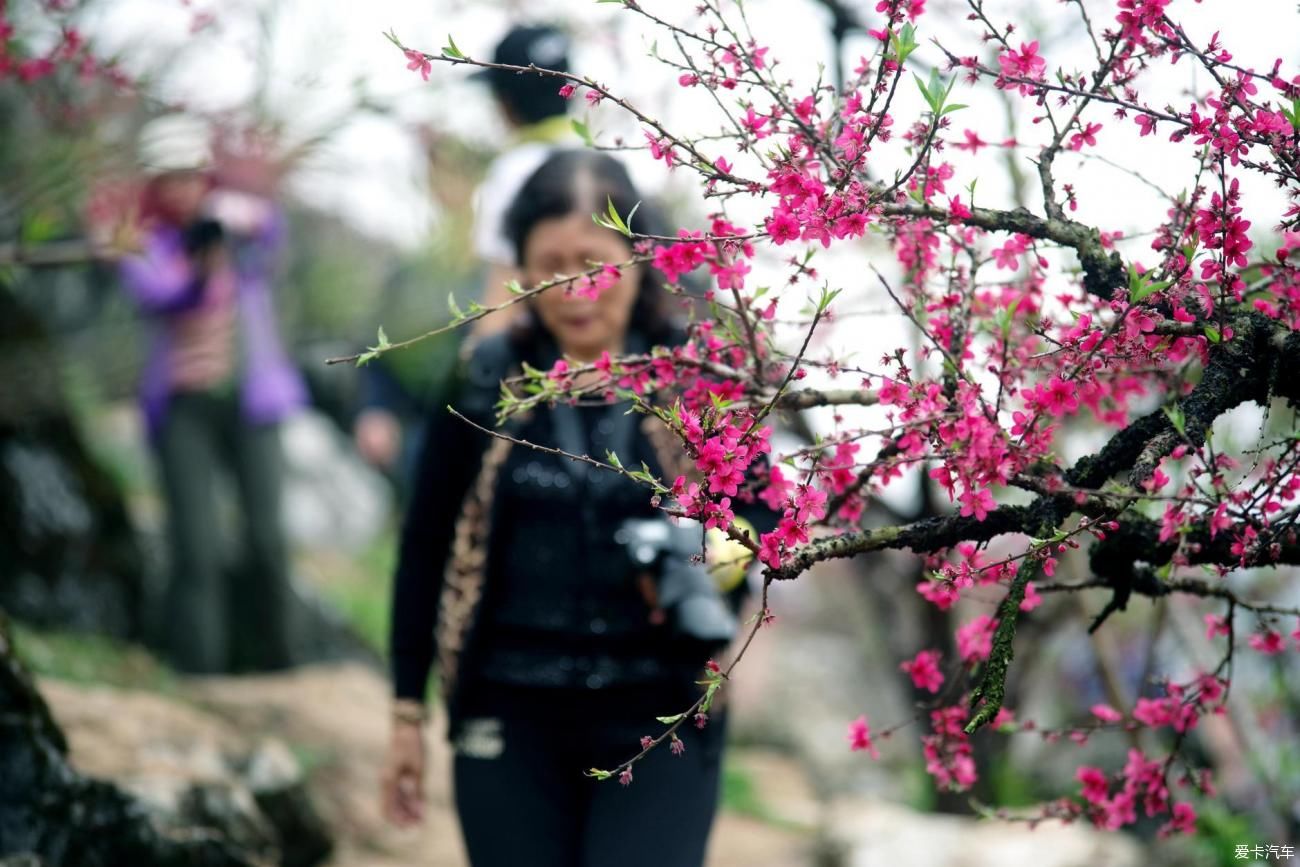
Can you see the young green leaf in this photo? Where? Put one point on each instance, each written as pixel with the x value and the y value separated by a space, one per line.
pixel 451 49
pixel 1177 418
pixel 583 132
pixel 612 220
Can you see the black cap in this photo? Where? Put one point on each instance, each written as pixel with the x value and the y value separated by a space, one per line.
pixel 543 45
pixel 532 98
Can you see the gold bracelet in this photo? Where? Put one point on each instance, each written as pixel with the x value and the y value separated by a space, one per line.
pixel 410 711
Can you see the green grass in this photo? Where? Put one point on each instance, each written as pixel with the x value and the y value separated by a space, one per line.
pixel 91 659
pixel 359 587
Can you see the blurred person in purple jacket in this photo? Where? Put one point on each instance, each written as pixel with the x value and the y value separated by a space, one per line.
pixel 216 384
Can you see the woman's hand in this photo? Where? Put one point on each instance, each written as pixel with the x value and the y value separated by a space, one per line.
pixel 402 783
pixel 378 437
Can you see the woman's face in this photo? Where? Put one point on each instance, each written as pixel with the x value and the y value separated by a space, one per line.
pixel 568 245
pixel 180 195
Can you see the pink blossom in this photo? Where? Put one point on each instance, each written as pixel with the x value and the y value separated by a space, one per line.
pixel 1183 820
pixel 943 594
pixel 782 227
pixel 924 670
pixel 860 737
pixel 1267 642
pixel 1215 625
pixel 1095 784
pixel 567 90
pixel 1025 63
pixel 417 61
pixel 977 503
pixel 1032 599
pixel 975 638
pixel 1154 712
pixel 973 142
pixel 755 123
pixel 1087 135
pixel 1106 713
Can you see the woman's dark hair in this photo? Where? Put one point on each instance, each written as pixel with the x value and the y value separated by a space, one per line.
pixel 583 182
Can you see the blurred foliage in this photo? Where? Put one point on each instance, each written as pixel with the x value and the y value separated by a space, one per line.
pixel 358 586
pixel 740 794
pixel 91 660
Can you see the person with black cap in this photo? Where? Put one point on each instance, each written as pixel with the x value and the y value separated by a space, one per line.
pixel 535 112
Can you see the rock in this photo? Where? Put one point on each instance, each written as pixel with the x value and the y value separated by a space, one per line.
pixel 276 780
pixel 69 556
pixel 337 716
pixel 332 498
pixel 877 832
pixel 50 813
pixel 194 770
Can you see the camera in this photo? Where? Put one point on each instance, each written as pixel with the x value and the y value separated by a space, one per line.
pixel 687 592
pixel 202 235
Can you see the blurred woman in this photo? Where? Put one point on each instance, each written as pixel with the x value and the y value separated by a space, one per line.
pixel 514 573
pixel 216 383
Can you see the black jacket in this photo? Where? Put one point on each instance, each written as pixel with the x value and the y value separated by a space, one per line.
pixel 559 605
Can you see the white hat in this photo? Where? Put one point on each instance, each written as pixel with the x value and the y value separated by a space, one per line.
pixel 176 143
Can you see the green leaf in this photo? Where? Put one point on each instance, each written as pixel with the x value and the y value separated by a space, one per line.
pixel 828 295
pixel 583 132
pixel 1006 317
pixel 669 720
pixel 611 458
pixel 383 339
pixel 451 50
pixel 904 43
pixel 925 91
pixel 514 288
pixel 456 312
pixel 612 220
pixel 1212 334
pixel 598 774
pixel 1139 286
pixel 1177 419
pixel 1293 114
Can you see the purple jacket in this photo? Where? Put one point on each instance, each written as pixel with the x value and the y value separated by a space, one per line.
pixel 163 284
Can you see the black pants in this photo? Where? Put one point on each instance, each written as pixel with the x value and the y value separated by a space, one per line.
pixel 219 620
pixel 524 802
